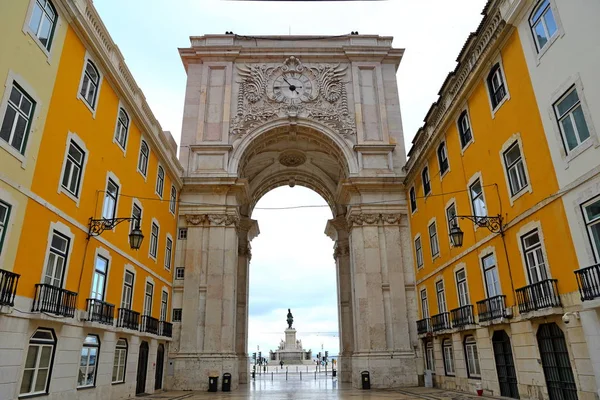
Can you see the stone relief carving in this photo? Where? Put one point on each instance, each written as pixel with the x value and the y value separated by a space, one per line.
pixel 341 249
pixel 212 219
pixel 292 158
pixel 374 219
pixel 324 100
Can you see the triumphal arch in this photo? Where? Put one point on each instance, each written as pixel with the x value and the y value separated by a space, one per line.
pixel 321 112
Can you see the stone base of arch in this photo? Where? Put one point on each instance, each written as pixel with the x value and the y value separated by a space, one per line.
pixel 192 371
pixel 386 369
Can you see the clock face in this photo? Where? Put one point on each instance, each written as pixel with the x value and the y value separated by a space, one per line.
pixel 292 87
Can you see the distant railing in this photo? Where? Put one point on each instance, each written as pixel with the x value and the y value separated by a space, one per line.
pixel 588 280
pixel 462 316
pixel 440 321
pixel 54 300
pixel 128 319
pixel 543 294
pixel 8 287
pixel 100 311
pixel 165 329
pixel 423 326
pixel 492 308
pixel 149 324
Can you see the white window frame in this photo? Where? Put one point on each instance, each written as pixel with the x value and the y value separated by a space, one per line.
pixel 472 357
pixel 144 174
pixel 118 129
pixel 47 50
pixel 434 243
pixel 136 203
pixel 4 224
pixel 40 344
pixel 462 267
pixel 445 152
pixel 93 108
pixel 111 178
pixel 168 252
pixel 476 177
pixel 424 303
pixel 550 38
pixel 440 291
pixel 582 144
pixel 429 356
pixel 412 196
pixel 494 110
pixel 89 348
pixel 104 254
pixel 425 173
pixel 64 230
pixel 448 356
pixel 145 311
pixel 486 254
pixel 515 140
pixel 75 139
pixel 464 110
pixel 451 203
pixel 173 201
pixel 150 247
pixel 588 224
pixel 524 231
pixel 164 306
pixel 418 252
pixel 179 273
pixel 128 269
pixel 120 361
pixel 160 189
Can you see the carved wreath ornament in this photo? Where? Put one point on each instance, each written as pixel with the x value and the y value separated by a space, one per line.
pixel 292 89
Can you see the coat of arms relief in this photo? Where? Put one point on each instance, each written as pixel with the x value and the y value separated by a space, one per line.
pixel 316 92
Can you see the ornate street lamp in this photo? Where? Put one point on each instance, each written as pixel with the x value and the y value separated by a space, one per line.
pixel 492 223
pixel 97 226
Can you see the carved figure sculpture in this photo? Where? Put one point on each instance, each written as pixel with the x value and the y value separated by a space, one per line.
pixel 290 319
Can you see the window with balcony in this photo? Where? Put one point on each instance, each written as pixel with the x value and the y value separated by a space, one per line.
pixel 464 129
pixel 90 81
pixel 441 297
pixel 515 169
pixel 57 258
pixel 43 22
pixel 164 306
pixel 496 86
pixel 160 181
pixel 571 120
pixel 426 181
pixel 148 298
pixel 99 280
pixel 442 156
pixel 543 24
pixel 463 289
pixel 472 358
pixel 477 200
pixel 448 354
pixel 424 304
pixel 591 214
pixel 154 240
pixel 143 158
pixel 38 363
pixel 17 120
pixel 419 252
pixel 413 199
pixel 73 170
pixel 534 257
pixel 4 217
pixel 109 206
pixel 88 362
pixel 122 129
pixel 127 297
pixel 490 271
pixel 120 361
pixel 168 253
pixel 433 241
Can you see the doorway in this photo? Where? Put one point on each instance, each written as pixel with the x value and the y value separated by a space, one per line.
pixel 505 365
pixel 158 377
pixel 142 367
pixel 555 362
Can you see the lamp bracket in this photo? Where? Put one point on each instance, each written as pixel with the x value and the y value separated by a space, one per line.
pixel 492 223
pixel 97 226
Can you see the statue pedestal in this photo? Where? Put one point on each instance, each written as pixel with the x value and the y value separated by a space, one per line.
pixel 290 339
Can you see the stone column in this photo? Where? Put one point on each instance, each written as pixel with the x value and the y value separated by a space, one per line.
pixel 590 322
pixel 382 343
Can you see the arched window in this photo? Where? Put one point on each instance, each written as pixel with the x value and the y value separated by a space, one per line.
pixel 543 24
pixel 464 129
pixel 122 128
pixel 426 181
pixel 143 159
pixel 173 200
pixel 496 85
pixel 413 199
pixel 442 158
pixel 88 361
pixel 38 363
pixel 120 361
pixel 160 181
pixel 448 354
pixel 90 83
pixel 472 358
pixel 43 22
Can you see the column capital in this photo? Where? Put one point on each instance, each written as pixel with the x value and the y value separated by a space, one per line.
pixel 341 248
pixel 337 228
pixel 249 226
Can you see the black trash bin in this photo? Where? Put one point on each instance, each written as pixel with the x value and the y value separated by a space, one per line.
pixel 226 386
pixel 365 377
pixel 213 383
pixel 333 373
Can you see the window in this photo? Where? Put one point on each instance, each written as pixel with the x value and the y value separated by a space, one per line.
pixel 591 214
pixel 448 354
pixel 515 169
pixel 461 285
pixel 424 304
pixel 4 217
pixel 451 216
pixel 534 257
pixel 179 273
pixel 154 240
pixel 17 119
pixel 88 361
pixel 57 258
pixel 164 305
pixel 496 86
pixel 122 128
pixel 120 361
pixel 136 212
pixel 433 240
pixel 473 370
pixel 419 252
pixel 143 159
pixel 464 129
pixel 413 199
pixel 168 251
pixel 426 182
pixel 43 22
pixel 442 158
pixel 109 207
pixel 173 200
pixel 148 299
pixel 490 272
pixel 477 200
pixel 89 84
pixel 73 169
pixel 177 315
pixel 441 296
pixel 99 281
pixel 429 356
pixel 542 23
pixel 38 362
pixel 571 121
pixel 127 290
pixel 160 181
pixel 182 234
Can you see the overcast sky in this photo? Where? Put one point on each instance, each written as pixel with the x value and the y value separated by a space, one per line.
pixel 292 264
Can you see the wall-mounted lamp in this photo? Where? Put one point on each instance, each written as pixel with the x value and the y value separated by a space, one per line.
pixel 97 226
pixel 493 224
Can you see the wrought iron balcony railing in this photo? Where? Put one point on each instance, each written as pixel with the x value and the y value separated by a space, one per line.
pixel 492 308
pixel 440 322
pixel 165 329
pixel 588 280
pixel 54 300
pixel 100 311
pixel 462 316
pixel 128 319
pixel 543 294
pixel 8 287
pixel 149 324
pixel 423 326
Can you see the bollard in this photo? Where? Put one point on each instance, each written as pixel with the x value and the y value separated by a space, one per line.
pixel 271 375
pixel 315 375
pixel 300 375
pixel 325 369
pixel 307 369
pixel 296 368
pixel 286 374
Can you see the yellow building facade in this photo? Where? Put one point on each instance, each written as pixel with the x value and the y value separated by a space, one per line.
pixel 493 259
pixel 91 309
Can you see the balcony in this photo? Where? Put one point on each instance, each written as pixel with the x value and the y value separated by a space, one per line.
pixel 492 308
pixel 540 295
pixel 55 300
pixel 588 280
pixel 149 325
pixel 100 311
pixel 423 326
pixel 128 319
pixel 440 322
pixel 8 287
pixel 462 316
pixel 165 329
